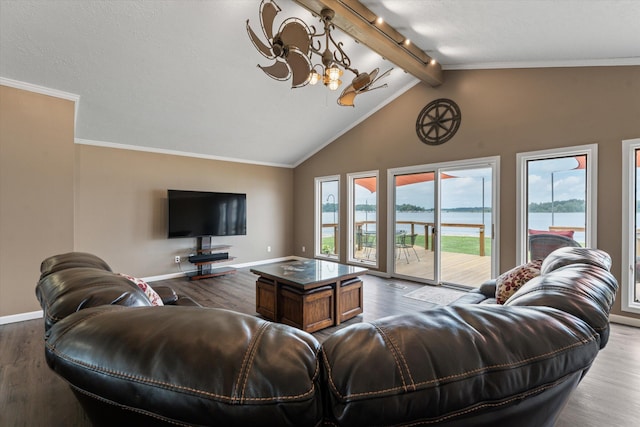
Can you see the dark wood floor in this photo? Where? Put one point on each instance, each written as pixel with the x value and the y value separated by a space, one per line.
pixel 32 396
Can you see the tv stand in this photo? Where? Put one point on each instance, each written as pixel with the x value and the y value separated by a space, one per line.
pixel 207 255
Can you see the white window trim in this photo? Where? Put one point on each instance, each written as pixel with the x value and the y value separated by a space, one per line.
pixel 317 244
pixel 351 177
pixel 628 225
pixel 591 150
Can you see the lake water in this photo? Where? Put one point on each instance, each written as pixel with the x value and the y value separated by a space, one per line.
pixel 537 221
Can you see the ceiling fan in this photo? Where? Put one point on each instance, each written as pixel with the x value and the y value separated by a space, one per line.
pixel 292 48
pixel 361 83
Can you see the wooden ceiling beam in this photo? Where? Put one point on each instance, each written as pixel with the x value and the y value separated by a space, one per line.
pixel 359 22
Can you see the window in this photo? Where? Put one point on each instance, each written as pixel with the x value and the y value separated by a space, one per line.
pixel 363 218
pixel 557 200
pixel 327 236
pixel 631 226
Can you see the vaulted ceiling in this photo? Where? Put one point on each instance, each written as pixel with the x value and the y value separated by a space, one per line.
pixel 181 76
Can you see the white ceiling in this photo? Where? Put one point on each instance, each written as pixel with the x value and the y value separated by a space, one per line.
pixel 181 76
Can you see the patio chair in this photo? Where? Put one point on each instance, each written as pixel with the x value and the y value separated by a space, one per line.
pixel 405 241
pixel 541 245
pixel 368 243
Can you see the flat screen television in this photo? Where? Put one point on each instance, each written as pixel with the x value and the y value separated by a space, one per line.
pixel 204 213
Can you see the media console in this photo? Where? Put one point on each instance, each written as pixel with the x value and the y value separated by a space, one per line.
pixel 207 255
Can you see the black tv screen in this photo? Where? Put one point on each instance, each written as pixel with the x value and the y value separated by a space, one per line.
pixel 204 213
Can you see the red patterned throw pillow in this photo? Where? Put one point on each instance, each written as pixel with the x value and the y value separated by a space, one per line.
pixel 508 283
pixel 148 290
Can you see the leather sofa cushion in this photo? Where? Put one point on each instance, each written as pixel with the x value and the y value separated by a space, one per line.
pixel 453 364
pixel 71 260
pixel 188 366
pixel 66 291
pixel 575 255
pixel 571 289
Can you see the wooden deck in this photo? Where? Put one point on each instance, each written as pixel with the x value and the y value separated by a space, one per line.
pixel 461 269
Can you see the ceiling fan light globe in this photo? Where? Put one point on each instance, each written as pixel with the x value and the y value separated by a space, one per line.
pixel 334 73
pixel 334 84
pixel 314 78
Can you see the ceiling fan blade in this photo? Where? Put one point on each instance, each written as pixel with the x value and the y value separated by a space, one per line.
pixel 268 12
pixel 381 76
pixel 370 88
pixel 279 70
pixel 361 81
pixel 294 32
pixel 262 48
pixel 373 74
pixel 347 96
pixel 300 66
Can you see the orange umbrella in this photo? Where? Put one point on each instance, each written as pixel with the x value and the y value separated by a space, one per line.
pixel 413 178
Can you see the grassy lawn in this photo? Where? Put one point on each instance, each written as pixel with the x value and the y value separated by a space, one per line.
pixel 456 244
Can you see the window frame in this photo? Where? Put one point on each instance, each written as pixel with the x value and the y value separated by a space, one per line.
pixel 492 162
pixel 318 181
pixel 591 182
pixel 628 240
pixel 351 178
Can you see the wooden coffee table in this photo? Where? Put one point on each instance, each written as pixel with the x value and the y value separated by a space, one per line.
pixel 307 293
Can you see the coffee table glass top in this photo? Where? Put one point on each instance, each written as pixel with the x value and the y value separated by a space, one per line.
pixel 308 271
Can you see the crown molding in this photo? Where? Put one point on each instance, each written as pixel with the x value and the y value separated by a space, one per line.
pixel 39 89
pixel 610 62
pixel 119 146
pixel 45 91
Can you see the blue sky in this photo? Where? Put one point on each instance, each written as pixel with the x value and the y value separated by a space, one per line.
pixel 465 190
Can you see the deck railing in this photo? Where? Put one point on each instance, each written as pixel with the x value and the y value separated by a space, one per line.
pixel 430 230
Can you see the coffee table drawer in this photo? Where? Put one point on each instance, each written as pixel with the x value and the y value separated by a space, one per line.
pixel 309 310
pixel 266 298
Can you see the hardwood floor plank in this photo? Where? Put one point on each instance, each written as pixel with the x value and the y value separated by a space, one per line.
pixel 31 395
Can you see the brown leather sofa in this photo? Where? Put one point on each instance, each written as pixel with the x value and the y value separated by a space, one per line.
pixel 130 363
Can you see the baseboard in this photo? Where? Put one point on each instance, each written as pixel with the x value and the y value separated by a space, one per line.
pixel 14 318
pixel 248 264
pixel 623 320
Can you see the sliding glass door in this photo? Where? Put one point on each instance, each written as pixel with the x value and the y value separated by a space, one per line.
pixel 414 223
pixel 442 226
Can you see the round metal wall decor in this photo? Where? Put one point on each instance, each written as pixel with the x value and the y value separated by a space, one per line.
pixel 438 121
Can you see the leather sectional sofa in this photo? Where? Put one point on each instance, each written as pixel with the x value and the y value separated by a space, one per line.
pixel 466 364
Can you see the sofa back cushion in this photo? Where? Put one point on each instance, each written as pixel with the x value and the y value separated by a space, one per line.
pixel 582 290
pixel 575 255
pixel 187 366
pixel 71 260
pixel 456 366
pixel 66 291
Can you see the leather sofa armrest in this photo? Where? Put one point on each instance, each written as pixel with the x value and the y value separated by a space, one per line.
pixel 167 294
pixel 488 288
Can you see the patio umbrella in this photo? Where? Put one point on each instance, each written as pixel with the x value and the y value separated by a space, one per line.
pixel 582 164
pixel 413 178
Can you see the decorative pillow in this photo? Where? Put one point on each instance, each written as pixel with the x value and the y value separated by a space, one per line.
pixel 508 283
pixel 148 290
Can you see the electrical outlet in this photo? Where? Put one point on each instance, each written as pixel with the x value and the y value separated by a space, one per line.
pixel 177 259
pixel 268 248
pixel 303 249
